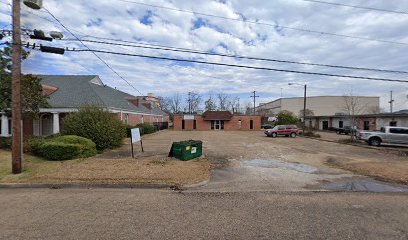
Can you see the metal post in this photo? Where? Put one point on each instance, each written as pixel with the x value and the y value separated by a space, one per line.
pixel 16 90
pixel 304 107
pixel 391 102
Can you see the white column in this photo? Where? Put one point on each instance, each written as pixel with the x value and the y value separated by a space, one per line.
pixel 4 126
pixel 55 123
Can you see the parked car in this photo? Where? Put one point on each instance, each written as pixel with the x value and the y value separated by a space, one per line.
pixel 267 126
pixel 393 135
pixel 283 130
pixel 347 130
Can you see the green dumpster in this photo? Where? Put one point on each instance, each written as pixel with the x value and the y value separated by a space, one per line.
pixel 186 150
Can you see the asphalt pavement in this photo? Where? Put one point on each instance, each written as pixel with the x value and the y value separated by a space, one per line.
pixel 166 214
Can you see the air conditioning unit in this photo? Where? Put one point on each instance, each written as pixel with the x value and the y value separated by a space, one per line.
pixel 34 4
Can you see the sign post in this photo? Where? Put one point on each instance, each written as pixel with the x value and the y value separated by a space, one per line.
pixel 135 137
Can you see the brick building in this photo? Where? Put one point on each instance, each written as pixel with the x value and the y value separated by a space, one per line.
pixel 66 93
pixel 216 120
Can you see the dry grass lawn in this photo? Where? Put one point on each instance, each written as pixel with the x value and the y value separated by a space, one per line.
pixel 156 169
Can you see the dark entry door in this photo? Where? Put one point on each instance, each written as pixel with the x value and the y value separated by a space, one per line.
pixel 366 125
pixel 325 125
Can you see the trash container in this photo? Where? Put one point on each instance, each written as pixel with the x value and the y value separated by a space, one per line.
pixel 186 150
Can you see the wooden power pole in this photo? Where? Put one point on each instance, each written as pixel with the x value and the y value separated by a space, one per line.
pixel 16 91
pixel 254 96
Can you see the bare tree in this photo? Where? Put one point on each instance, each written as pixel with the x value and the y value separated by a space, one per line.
pixel 175 103
pixel 308 112
pixel 164 104
pixel 234 105
pixel 193 102
pixel 210 104
pixel 353 108
pixel 223 100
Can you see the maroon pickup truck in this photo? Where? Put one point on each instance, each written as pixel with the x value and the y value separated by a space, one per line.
pixel 283 130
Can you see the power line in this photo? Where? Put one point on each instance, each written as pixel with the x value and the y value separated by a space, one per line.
pixel 360 7
pixel 267 24
pixel 241 66
pixel 103 61
pixel 185 50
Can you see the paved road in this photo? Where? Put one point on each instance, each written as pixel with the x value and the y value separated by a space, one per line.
pixel 162 214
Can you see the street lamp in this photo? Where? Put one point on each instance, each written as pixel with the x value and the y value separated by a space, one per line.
pixel 304 101
pixel 16 83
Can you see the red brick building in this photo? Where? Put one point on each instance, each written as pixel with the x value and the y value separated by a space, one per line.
pixel 216 120
pixel 66 93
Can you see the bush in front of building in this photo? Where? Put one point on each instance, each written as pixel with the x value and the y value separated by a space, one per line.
pixel 286 117
pixel 63 147
pixel 144 128
pixel 97 124
pixel 5 143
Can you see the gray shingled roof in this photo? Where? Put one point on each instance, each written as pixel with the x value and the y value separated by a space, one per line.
pixel 76 90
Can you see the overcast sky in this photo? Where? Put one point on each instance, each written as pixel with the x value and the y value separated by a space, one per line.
pixel 135 22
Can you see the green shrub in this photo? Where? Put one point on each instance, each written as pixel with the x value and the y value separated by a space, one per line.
pixel 59 151
pixel 88 148
pixel 97 124
pixel 63 147
pixel 5 142
pixel 146 128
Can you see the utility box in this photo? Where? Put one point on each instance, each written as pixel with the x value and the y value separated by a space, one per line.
pixel 186 150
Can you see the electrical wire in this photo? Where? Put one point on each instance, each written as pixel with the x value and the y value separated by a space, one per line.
pixel 359 7
pixel 185 50
pixel 268 24
pixel 240 66
pixel 93 52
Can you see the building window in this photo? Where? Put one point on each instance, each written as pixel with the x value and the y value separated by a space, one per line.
pixel 393 123
pixel 127 118
pixel 183 124
pixel 212 124
pixel 195 124
pixel 366 125
pixel 251 124
pixel 340 124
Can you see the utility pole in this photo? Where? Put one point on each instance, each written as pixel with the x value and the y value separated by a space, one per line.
pixel 17 151
pixel 254 96
pixel 304 106
pixel 16 161
pixel 391 102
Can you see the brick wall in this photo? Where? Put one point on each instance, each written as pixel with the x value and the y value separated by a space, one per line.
pixel 134 119
pixel 202 125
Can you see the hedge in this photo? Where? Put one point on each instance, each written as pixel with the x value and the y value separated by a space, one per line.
pixel 59 151
pixel 63 147
pixel 144 128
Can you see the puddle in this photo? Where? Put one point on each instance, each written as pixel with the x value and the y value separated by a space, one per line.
pixel 365 185
pixel 259 163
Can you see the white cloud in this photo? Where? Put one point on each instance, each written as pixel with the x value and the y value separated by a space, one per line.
pixel 122 20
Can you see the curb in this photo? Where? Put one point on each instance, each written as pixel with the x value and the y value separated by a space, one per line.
pixel 200 184
pixel 355 145
pixel 85 185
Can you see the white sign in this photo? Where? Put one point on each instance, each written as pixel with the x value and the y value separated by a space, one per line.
pixel 135 135
pixel 188 117
pixel 193 149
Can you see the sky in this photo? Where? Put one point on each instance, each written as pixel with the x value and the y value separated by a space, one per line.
pixel 265 29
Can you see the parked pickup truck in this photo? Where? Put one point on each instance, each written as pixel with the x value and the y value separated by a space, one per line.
pixel 394 135
pixel 346 130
